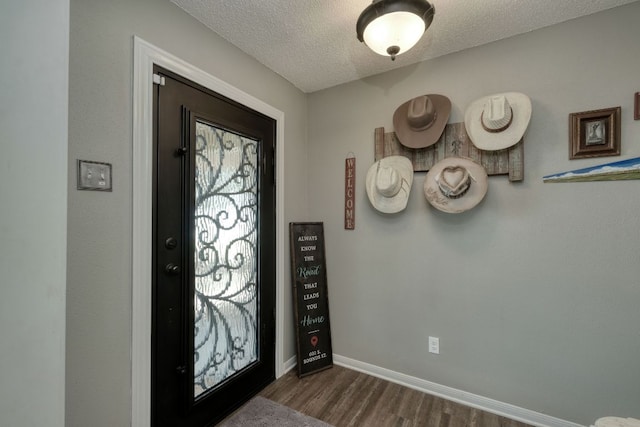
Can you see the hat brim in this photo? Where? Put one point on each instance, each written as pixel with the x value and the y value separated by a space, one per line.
pixel 421 139
pixel 396 203
pixel 492 141
pixel 473 196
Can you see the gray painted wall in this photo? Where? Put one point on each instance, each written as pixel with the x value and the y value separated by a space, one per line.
pixel 100 224
pixel 534 294
pixel 33 224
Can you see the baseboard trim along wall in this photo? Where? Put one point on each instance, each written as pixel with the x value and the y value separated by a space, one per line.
pixel 469 399
pixel 449 393
pixel 287 366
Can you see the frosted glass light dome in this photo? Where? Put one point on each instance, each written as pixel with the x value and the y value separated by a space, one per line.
pixel 392 27
pixel 401 30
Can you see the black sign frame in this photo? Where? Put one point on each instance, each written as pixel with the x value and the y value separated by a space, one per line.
pixel 310 297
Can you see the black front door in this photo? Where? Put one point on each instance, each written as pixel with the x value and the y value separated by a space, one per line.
pixel 213 334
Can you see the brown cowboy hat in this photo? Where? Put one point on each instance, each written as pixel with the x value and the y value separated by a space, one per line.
pixel 419 122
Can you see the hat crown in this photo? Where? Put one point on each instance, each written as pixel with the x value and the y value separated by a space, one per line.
pixel 497 113
pixel 388 181
pixel 453 181
pixel 421 113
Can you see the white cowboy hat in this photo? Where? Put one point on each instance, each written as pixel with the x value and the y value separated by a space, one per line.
pixel 389 182
pixel 455 184
pixel 496 122
pixel 419 122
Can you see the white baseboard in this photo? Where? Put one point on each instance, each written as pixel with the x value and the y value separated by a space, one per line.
pixel 287 366
pixel 449 393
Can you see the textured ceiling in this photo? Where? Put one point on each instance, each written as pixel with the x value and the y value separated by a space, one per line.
pixel 312 43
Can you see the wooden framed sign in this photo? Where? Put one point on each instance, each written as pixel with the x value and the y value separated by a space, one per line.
pixel 310 298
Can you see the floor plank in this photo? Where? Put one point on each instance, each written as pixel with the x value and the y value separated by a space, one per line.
pixel 347 398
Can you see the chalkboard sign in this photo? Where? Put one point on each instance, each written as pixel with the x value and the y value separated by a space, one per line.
pixel 310 299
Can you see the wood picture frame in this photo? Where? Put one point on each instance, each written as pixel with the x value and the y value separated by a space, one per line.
pixel 594 133
pixel 636 106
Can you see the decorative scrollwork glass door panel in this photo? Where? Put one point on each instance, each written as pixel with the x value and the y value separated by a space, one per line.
pixel 214 254
pixel 225 259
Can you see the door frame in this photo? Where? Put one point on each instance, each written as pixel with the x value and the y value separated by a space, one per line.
pixel 145 57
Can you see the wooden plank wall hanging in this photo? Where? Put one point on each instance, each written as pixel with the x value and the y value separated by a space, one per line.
pixel 349 193
pixel 453 142
pixel 310 297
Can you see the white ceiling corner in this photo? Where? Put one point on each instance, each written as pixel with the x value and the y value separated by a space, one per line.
pixel 313 44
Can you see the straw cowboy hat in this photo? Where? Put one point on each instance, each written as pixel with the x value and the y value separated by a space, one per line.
pixel 389 182
pixel 496 122
pixel 455 184
pixel 419 122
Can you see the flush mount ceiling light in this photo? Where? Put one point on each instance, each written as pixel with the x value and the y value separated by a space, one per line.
pixel 392 27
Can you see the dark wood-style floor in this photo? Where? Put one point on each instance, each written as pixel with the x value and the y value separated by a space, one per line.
pixel 343 397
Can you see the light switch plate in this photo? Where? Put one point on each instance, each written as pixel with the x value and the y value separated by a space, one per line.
pixel 94 176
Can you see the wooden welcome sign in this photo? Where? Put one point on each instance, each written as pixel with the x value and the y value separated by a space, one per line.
pixel 350 193
pixel 310 298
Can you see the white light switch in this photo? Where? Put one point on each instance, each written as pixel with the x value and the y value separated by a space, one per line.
pixel 94 176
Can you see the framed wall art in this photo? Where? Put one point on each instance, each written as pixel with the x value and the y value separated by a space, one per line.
pixel 594 133
pixel 636 106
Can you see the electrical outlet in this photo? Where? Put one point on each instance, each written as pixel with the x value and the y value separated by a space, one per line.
pixel 434 345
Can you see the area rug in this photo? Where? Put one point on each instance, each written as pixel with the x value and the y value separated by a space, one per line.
pixel 261 412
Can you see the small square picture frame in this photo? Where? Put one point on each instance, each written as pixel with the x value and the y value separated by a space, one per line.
pixel 594 133
pixel 94 176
